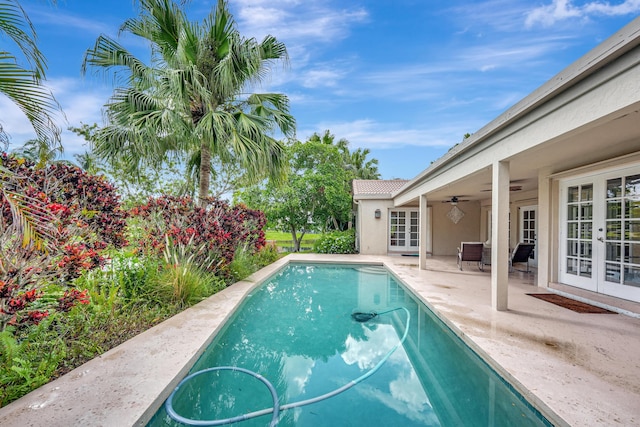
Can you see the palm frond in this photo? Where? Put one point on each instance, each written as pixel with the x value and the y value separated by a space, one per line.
pixel 12 21
pixel 34 100
pixel 30 218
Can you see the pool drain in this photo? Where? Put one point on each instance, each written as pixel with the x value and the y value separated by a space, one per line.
pixel 277 408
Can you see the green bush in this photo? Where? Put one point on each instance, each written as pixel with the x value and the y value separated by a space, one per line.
pixel 267 255
pixel 33 356
pixel 136 277
pixel 28 359
pixel 243 265
pixel 337 242
pixel 186 284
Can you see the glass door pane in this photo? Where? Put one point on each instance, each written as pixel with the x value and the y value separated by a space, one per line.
pixel 528 227
pixel 414 229
pixel 622 260
pixel 404 230
pixel 579 226
pixel 398 228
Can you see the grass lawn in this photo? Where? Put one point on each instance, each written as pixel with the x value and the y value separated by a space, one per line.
pixel 284 240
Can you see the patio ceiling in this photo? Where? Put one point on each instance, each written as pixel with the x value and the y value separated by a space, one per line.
pixel 609 137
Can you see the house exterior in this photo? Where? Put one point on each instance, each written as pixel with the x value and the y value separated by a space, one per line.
pixel 561 169
pixel 373 205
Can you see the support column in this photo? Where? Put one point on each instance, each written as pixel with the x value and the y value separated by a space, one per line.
pixel 543 239
pixel 423 245
pixel 500 236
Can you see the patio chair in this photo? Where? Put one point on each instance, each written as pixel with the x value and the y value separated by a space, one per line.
pixel 470 252
pixel 521 253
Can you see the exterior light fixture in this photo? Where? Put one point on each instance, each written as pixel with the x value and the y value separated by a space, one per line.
pixel 378 214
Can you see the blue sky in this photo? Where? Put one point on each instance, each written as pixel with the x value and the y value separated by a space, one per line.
pixel 404 78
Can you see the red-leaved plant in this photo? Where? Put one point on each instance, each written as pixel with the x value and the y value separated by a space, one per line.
pixel 218 227
pixel 54 224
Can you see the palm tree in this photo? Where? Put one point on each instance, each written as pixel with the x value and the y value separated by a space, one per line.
pixel 190 101
pixel 356 161
pixel 363 168
pixel 39 152
pixel 24 85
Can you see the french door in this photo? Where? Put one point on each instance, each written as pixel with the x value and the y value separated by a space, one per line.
pixel 600 233
pixel 404 230
pixel 529 229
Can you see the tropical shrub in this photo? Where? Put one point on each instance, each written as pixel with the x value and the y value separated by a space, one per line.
pixel 337 242
pixel 71 196
pixel 267 255
pixel 36 354
pixel 213 233
pixel 55 222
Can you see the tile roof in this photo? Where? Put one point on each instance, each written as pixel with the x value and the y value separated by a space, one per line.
pixel 377 186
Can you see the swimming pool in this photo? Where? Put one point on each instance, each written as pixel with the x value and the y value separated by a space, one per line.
pixel 296 330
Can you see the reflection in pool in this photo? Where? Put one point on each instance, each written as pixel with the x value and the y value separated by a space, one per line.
pixel 296 331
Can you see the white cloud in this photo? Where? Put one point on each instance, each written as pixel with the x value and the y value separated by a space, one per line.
pixel 306 28
pixel 560 10
pixel 81 102
pixel 319 77
pixel 511 53
pixel 371 134
pixel 14 123
pixel 296 22
pixel 45 14
pixel 500 15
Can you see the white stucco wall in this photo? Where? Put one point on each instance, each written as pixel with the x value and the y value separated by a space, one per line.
pixel 373 232
pixel 447 235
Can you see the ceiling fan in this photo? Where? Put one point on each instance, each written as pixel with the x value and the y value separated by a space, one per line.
pixel 454 200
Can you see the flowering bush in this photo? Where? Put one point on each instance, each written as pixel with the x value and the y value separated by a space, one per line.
pixel 213 232
pixel 337 242
pixel 80 203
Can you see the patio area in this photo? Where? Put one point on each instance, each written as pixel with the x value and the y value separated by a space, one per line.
pixel 583 368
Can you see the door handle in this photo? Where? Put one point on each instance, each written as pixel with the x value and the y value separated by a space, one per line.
pixel 601 239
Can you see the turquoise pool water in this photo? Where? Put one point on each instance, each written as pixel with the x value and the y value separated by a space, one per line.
pixel 296 330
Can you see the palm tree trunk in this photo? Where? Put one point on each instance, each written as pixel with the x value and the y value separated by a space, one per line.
pixel 205 173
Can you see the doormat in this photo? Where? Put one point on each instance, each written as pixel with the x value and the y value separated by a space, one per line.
pixel 577 306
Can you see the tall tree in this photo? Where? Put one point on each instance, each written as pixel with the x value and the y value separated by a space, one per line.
pixel 315 196
pixel 192 99
pixel 23 85
pixel 360 166
pixel 355 162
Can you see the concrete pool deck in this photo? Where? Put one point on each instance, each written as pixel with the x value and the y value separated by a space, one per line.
pixel 584 368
